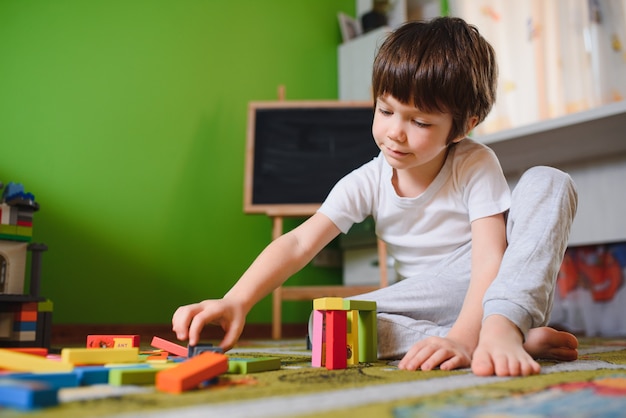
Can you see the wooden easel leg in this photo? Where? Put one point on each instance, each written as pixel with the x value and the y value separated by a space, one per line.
pixel 277 299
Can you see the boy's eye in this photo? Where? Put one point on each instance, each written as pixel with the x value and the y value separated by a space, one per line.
pixel 384 112
pixel 421 124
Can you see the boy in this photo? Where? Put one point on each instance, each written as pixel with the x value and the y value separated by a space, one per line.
pixel 442 205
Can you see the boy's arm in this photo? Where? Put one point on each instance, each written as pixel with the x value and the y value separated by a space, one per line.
pixel 488 246
pixel 279 260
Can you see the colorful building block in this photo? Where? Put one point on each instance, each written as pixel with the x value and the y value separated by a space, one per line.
pixel 238 365
pixel 27 395
pixel 336 344
pixel 168 346
pixel 359 305
pixel 99 355
pixel 368 337
pixel 192 372
pixel 194 350
pixel 318 349
pixel 132 376
pixel 352 337
pixel 113 341
pixel 329 304
pixel 55 380
pixel 11 360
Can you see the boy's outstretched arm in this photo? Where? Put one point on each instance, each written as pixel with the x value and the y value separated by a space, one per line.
pixel 279 260
pixel 455 350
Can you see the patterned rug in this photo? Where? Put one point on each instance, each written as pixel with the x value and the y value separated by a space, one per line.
pixel 592 386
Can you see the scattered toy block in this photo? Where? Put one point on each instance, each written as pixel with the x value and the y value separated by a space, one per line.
pixel 27 395
pixel 318 339
pixel 328 304
pixel 168 346
pixel 192 372
pixel 194 350
pixel 12 360
pixel 99 355
pixel 36 351
pixel 336 344
pixel 132 376
pixel 238 365
pixel 54 380
pixel 113 341
pixel 92 375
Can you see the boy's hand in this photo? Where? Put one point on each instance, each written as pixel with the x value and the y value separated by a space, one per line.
pixel 189 320
pixel 436 351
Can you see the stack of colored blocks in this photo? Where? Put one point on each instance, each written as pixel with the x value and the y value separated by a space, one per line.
pixel 25 324
pixel 344 332
pixel 31 378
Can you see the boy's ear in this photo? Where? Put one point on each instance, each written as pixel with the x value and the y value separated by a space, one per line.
pixel 471 124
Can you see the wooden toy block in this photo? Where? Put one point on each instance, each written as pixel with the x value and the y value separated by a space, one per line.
pixel 194 350
pixel 192 372
pixel 318 349
pixel 359 305
pixel 252 365
pixel 36 351
pixel 92 375
pixel 352 337
pixel 54 380
pixel 336 347
pixel 168 346
pixel 328 304
pixel 99 355
pixel 131 376
pixel 161 356
pixel 26 316
pixel 16 361
pixel 368 337
pixel 27 395
pixel 113 341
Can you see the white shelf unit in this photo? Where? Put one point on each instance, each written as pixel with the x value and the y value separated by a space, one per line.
pixel 591 147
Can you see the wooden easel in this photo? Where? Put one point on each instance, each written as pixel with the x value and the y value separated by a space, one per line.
pixel 308 293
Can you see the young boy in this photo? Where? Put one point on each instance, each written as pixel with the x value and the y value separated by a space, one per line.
pixel 442 206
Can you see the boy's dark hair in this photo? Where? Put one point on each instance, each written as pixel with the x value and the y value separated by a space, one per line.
pixel 442 65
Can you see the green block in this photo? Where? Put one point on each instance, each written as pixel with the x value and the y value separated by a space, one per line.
pixel 368 337
pixel 125 376
pixel 237 365
pixel 359 305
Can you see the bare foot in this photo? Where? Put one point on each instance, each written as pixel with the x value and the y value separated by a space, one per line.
pixel 500 349
pixel 548 343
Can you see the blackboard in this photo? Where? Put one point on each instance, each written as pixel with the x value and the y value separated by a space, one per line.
pixel 297 151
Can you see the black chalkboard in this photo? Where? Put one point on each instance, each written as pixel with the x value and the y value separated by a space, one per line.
pixel 297 151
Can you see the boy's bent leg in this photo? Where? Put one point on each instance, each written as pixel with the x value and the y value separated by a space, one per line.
pixel 520 298
pixel 542 211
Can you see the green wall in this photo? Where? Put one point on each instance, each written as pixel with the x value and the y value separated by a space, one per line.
pixel 127 120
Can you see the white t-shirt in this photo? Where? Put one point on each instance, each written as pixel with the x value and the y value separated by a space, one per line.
pixel 423 230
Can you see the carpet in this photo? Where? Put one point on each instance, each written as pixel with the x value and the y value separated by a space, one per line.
pixel 592 386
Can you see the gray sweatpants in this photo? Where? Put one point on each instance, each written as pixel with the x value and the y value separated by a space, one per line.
pixel 542 210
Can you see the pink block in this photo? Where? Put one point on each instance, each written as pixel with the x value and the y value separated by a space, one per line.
pixel 317 355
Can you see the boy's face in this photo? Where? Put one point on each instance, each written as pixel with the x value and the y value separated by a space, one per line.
pixel 409 138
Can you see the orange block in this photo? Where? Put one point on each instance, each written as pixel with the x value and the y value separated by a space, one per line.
pixel 168 346
pixel 36 351
pixel 190 373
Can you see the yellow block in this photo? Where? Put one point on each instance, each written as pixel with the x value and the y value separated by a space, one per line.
pixel 100 355
pixel 328 304
pixel 13 360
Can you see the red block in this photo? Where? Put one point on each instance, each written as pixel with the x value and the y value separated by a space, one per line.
pixel 336 340
pixel 170 347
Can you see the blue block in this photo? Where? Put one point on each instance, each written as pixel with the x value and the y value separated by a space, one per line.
pixel 54 380
pixel 92 375
pixel 27 395
pixel 25 326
